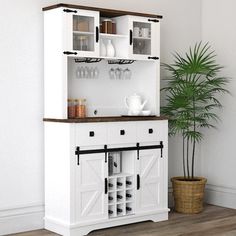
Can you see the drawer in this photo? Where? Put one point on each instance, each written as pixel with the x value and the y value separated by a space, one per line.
pixel 119 133
pixel 151 131
pixel 91 134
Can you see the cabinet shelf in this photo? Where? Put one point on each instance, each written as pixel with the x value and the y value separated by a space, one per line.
pixel 142 38
pixel 113 36
pixel 83 33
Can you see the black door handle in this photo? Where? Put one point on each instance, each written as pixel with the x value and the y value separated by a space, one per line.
pixel 122 132
pixel 97 34
pixel 70 53
pixel 91 134
pixel 138 182
pixel 130 37
pixel 150 131
pixel 106 187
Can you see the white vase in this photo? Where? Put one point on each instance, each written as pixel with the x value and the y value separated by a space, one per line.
pixel 103 50
pixel 110 49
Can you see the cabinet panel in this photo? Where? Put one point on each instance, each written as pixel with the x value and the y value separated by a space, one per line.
pixel 144 38
pixel 83 32
pixel 150 174
pixel 119 133
pixel 91 200
pixel 151 131
pixel 91 134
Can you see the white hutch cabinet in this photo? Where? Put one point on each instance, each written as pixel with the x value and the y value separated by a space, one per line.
pixel 106 169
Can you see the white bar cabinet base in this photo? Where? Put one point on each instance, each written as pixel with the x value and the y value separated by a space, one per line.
pixel 81 230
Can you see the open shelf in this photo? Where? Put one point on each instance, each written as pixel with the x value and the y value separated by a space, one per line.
pixel 121 200
pixel 113 36
pixel 142 38
pixel 83 33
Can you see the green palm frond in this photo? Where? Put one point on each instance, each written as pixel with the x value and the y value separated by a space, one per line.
pixel 191 92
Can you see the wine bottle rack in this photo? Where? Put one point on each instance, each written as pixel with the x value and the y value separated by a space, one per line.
pixel 121 195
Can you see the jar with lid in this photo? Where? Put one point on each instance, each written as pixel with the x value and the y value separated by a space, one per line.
pixel 107 26
pixel 80 108
pixel 71 108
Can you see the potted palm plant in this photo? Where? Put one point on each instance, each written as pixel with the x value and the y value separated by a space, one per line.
pixel 191 103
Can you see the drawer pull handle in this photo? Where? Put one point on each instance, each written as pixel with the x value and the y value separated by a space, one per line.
pixel 91 134
pixel 122 132
pixel 150 131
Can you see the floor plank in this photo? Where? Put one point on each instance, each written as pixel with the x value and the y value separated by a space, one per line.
pixel 213 221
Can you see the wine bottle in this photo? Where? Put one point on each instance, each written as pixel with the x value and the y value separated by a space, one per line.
pixel 119 210
pixel 119 184
pixel 128 195
pixel 128 208
pixel 119 196
pixel 110 185
pixel 110 198
pixel 110 212
pixel 128 182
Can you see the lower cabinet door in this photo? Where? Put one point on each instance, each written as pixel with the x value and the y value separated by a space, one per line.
pixel 91 196
pixel 149 192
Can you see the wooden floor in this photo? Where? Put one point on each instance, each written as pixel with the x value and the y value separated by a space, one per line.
pixel 213 221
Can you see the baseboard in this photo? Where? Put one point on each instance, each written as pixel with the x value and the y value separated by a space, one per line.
pixel 220 196
pixel 21 219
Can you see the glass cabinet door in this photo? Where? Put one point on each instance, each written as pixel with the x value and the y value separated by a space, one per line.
pixel 84 32
pixel 145 38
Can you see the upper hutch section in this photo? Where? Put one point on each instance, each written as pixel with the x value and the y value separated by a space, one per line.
pixel 136 35
pixel 82 42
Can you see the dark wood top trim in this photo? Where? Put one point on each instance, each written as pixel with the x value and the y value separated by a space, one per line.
pixel 106 119
pixel 104 12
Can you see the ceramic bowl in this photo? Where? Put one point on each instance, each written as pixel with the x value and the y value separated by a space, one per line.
pixel 146 113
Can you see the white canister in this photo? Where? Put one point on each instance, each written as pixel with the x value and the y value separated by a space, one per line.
pixel 110 49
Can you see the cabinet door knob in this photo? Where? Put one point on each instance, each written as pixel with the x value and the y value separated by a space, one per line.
pixel 150 131
pixel 122 132
pixel 91 134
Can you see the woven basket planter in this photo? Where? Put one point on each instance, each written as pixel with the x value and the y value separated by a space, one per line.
pixel 188 195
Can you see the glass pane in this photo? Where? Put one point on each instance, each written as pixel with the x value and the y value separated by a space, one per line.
pixel 83 33
pixel 142 38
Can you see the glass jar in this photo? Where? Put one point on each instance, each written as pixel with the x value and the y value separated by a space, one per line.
pixel 113 27
pixel 107 26
pixel 81 108
pixel 71 108
pixel 83 43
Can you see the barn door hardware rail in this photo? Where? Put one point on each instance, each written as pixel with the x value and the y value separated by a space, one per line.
pixel 153 20
pixel 105 150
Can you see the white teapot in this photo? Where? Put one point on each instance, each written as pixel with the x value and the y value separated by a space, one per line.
pixel 134 104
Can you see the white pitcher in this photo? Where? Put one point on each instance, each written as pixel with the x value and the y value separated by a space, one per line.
pixel 134 104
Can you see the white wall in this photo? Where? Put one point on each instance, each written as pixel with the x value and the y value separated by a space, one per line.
pixel 218 149
pixel 21 95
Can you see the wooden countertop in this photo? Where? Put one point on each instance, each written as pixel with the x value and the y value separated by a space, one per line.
pixel 103 11
pixel 106 119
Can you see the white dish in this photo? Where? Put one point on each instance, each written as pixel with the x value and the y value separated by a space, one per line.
pixel 146 113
